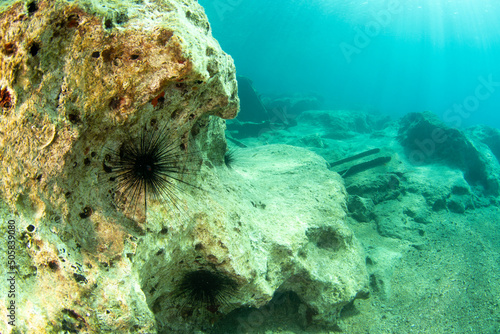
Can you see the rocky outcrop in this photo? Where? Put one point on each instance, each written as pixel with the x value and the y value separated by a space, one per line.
pixel 273 222
pixel 78 78
pixel 428 140
pixel 488 136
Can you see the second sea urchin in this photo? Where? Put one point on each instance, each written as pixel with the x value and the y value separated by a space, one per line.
pixel 206 288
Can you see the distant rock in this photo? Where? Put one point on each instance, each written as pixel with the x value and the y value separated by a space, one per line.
pixel 251 107
pixel 291 105
pixel 428 140
pixel 341 124
pixel 487 142
pixel 488 136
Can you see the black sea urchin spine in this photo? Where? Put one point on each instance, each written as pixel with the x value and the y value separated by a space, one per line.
pixel 151 166
pixel 206 288
pixel 229 157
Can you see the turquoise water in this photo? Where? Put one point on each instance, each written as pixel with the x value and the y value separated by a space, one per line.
pixel 392 57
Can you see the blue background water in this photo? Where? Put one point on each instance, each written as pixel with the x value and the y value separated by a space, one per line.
pixel 392 56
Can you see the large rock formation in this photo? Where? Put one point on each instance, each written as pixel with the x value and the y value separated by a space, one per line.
pixel 80 79
pixel 274 222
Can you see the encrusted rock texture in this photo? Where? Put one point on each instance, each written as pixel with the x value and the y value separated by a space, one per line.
pixel 273 222
pixel 80 77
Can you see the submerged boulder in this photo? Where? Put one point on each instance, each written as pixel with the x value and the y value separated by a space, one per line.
pixel 274 222
pixel 428 140
pixel 487 142
pixel 488 136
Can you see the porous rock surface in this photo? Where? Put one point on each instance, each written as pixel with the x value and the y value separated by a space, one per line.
pixel 275 221
pixel 77 77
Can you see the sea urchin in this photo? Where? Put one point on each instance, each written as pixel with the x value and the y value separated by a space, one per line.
pixel 148 167
pixel 206 288
pixel 229 158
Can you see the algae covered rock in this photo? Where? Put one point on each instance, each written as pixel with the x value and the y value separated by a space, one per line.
pixel 84 84
pixel 77 79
